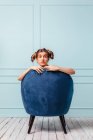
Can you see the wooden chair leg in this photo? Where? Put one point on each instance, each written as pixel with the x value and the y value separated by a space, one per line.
pixel 62 119
pixel 31 120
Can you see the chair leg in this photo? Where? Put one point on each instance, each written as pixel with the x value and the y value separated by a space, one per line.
pixel 31 120
pixel 62 119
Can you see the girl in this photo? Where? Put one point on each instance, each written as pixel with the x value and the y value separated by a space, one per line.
pixel 42 57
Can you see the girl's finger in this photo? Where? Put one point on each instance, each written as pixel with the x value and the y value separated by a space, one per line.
pixel 37 71
pixel 40 70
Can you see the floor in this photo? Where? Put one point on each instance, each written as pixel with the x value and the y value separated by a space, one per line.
pixel 46 128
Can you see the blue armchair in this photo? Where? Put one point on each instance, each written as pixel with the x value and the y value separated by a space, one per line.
pixel 47 94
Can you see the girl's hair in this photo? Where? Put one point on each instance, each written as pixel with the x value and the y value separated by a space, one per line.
pixel 49 52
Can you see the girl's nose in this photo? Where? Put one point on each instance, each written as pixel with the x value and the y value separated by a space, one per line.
pixel 42 58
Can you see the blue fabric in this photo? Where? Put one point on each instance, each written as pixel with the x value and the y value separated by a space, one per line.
pixel 47 94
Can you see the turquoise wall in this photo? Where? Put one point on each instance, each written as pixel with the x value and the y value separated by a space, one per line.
pixel 65 27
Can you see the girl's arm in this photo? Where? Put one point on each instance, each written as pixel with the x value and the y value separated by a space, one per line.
pixel 39 69
pixel 67 70
pixel 23 74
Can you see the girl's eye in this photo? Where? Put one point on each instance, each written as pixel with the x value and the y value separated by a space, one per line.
pixel 39 56
pixel 45 55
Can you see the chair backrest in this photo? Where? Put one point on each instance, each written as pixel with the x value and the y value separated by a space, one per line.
pixel 47 94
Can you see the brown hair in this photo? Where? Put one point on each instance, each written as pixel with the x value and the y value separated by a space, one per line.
pixel 49 52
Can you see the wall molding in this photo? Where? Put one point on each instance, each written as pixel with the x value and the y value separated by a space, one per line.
pixel 3 68
pixel 19 83
pixel 66 4
pixel 20 112
pixel 70 108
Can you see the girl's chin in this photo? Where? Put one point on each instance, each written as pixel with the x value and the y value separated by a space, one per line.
pixel 43 65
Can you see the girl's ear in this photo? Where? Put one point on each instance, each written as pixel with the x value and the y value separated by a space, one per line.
pixel 33 57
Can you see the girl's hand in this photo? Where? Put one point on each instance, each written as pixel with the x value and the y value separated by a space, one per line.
pixel 52 68
pixel 39 69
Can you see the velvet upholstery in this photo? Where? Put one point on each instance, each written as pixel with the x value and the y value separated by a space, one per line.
pixel 47 94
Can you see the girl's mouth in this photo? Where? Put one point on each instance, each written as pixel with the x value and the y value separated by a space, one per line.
pixel 42 62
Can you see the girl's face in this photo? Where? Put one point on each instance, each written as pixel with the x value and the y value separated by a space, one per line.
pixel 42 58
